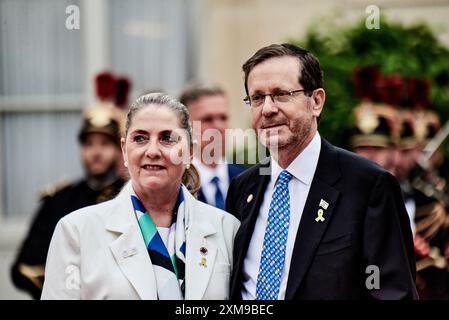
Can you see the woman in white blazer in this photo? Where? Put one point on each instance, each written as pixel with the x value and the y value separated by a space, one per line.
pixel 154 240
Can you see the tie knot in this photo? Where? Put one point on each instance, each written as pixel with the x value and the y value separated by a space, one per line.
pixel 284 177
pixel 215 180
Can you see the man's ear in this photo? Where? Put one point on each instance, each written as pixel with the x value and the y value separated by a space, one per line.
pixel 318 97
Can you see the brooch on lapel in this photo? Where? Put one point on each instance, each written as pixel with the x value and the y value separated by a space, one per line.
pixel 129 253
pixel 203 262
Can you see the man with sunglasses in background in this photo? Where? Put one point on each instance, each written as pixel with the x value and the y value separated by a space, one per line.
pixel 318 222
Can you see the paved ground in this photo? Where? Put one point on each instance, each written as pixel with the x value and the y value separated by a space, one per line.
pixel 11 235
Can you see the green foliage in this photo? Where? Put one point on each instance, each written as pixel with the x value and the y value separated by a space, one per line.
pixel 411 51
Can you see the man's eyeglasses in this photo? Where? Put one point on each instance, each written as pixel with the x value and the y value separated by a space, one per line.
pixel 257 100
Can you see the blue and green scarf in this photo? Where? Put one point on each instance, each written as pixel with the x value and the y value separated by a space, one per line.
pixel 168 261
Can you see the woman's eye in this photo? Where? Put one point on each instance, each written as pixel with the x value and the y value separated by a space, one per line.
pixel 169 139
pixel 139 138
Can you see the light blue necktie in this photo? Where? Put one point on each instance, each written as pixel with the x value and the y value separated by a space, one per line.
pixel 219 199
pixel 275 241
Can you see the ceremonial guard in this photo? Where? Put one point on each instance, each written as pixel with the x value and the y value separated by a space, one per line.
pixel 99 139
pixel 393 126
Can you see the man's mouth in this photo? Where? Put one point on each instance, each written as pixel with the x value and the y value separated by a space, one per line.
pixel 272 126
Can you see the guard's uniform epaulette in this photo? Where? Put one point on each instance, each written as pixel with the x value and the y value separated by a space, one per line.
pixel 50 190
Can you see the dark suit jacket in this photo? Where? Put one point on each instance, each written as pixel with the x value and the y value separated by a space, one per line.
pixel 233 171
pixel 365 224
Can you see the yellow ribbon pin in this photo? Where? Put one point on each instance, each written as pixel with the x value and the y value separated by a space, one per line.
pixel 320 217
pixel 203 262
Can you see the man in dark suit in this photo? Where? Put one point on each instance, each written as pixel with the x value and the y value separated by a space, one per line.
pixel 318 222
pixel 209 110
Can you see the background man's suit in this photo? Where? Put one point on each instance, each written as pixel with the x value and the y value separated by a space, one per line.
pixel 365 224
pixel 233 171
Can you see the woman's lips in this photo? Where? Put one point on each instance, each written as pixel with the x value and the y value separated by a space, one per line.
pixel 152 167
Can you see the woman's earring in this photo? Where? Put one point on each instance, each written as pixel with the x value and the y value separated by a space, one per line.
pixel 188 166
pixel 125 164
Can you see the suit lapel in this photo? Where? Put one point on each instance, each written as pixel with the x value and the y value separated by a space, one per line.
pixel 256 189
pixel 230 173
pixel 200 253
pixel 129 248
pixel 310 231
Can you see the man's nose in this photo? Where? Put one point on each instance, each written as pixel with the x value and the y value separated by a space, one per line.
pixel 220 124
pixel 396 161
pixel 269 107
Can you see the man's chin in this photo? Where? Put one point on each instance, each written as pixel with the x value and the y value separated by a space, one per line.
pixel 98 172
pixel 273 143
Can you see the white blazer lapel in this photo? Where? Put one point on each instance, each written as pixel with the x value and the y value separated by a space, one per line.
pixel 200 254
pixel 199 267
pixel 129 248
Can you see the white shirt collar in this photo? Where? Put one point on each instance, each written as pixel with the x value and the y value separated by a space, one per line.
pixel 207 173
pixel 304 165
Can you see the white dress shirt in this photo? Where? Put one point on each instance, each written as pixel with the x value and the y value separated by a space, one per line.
pixel 207 174
pixel 410 206
pixel 302 169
